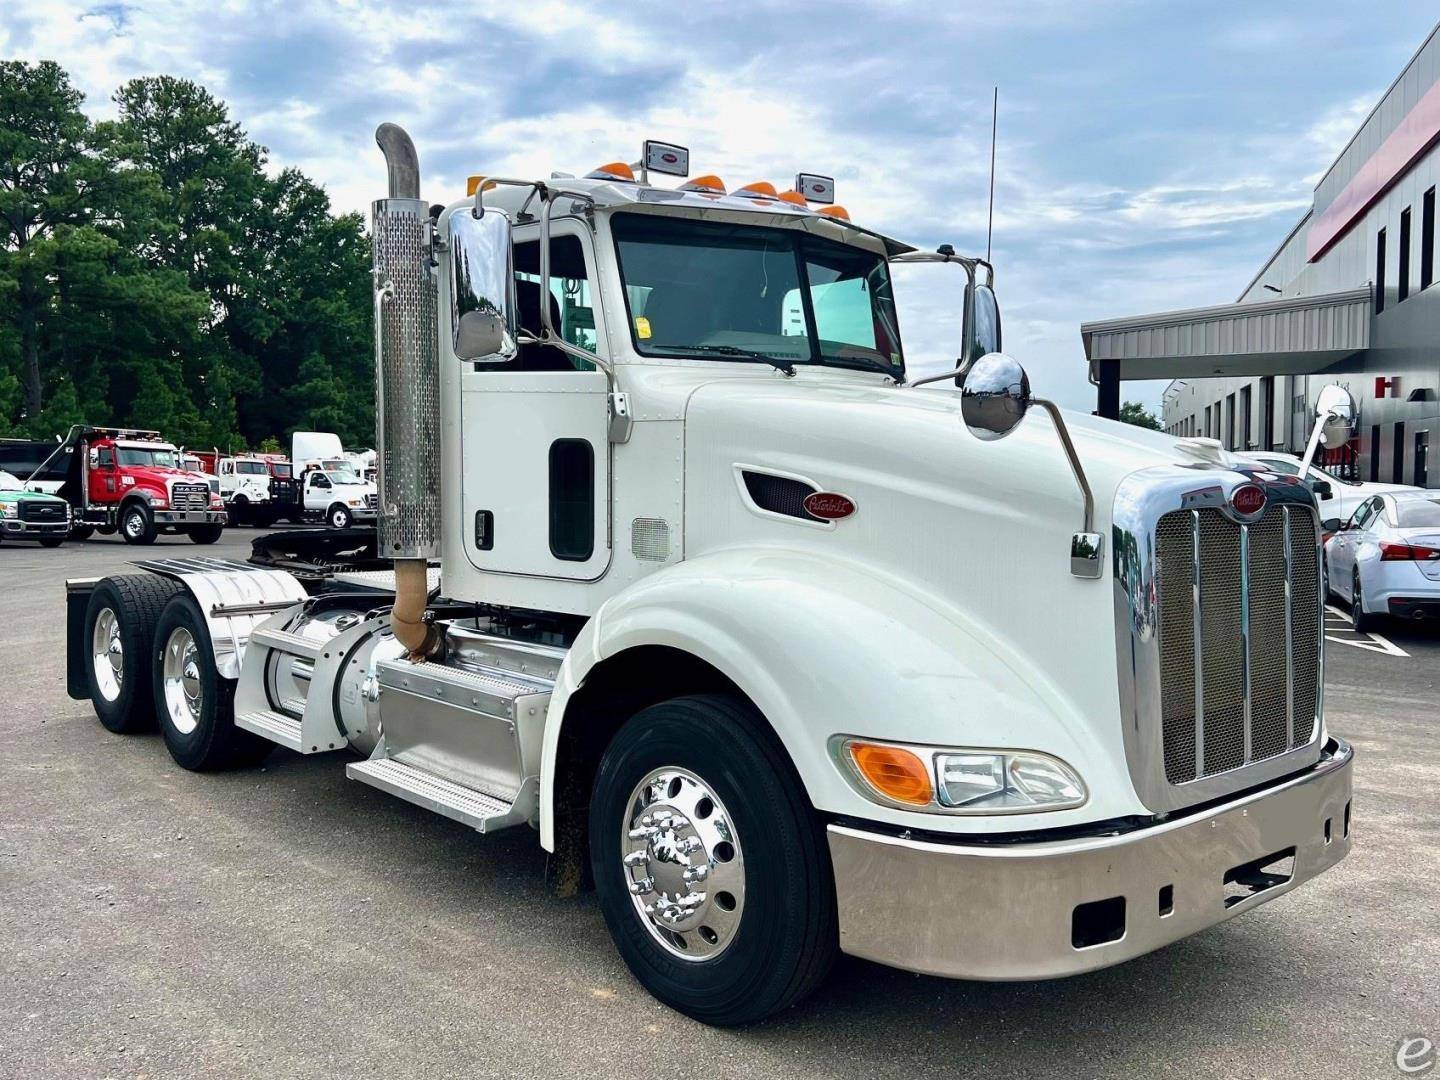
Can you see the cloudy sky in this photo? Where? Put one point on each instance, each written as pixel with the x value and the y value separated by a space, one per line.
pixel 1151 154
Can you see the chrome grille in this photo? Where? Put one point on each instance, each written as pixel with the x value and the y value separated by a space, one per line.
pixel 1248 595
pixel 190 497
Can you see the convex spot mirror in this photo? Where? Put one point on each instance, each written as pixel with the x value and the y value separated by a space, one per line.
pixel 1335 409
pixel 482 295
pixel 994 396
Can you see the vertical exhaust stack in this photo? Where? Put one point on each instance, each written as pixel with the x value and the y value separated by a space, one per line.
pixel 407 391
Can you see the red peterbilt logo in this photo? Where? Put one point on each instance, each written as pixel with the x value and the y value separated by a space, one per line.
pixel 1248 500
pixel 669 158
pixel 828 505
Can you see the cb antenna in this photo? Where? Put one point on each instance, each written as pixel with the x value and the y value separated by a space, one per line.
pixel 994 117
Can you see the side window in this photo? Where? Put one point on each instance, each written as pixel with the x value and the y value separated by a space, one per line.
pixel 1363 513
pixel 105 459
pixel 569 297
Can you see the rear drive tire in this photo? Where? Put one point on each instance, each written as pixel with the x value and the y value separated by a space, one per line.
pixel 52 541
pixel 205 534
pixel 193 702
pixel 339 517
pixel 137 524
pixel 119 633
pixel 700 786
pixel 81 532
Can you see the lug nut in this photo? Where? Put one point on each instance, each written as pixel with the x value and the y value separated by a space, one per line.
pixel 637 858
pixel 641 888
pixel 696 873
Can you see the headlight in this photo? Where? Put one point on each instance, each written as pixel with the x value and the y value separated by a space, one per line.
pixel 942 780
pixel 357 502
pixel 7 509
pixel 157 502
pixel 1010 781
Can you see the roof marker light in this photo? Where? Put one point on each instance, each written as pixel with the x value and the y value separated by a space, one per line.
pixel 706 185
pixel 616 170
pixel 836 212
pixel 794 198
pixel 761 189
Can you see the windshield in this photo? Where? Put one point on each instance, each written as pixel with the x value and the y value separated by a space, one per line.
pixel 1417 513
pixel 707 289
pixel 250 468
pixel 135 456
pixel 281 468
pixel 342 474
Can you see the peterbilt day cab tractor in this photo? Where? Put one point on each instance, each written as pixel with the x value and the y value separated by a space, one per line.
pixel 783 651
pixel 130 481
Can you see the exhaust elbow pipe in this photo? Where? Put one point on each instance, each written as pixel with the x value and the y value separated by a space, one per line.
pixel 407 392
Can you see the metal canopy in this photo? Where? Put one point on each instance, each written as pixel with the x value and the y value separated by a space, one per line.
pixel 1299 335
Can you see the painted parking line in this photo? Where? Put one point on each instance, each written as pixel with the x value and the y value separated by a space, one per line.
pixel 1338 622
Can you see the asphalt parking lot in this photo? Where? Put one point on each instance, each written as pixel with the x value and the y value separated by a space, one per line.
pixel 283 921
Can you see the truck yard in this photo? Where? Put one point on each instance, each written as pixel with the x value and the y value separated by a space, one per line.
pixel 167 923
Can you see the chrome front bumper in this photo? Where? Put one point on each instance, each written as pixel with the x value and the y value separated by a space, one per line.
pixel 1043 910
pixel 191 517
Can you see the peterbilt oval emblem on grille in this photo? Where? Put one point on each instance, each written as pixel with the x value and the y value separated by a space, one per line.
pixel 828 505
pixel 1248 500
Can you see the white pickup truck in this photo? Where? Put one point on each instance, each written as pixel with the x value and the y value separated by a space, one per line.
pixel 784 651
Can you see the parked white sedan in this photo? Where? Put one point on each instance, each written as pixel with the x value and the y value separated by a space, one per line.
pixel 1336 497
pixel 1386 559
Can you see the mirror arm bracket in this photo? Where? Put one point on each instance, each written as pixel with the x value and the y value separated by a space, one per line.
pixel 1087 547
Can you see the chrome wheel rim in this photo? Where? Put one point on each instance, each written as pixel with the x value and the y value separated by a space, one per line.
pixel 180 671
pixel 683 864
pixel 134 523
pixel 107 655
pixel 337 519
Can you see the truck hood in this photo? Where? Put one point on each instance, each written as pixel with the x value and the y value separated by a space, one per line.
pixel 978 532
pixel 9 496
pixel 163 476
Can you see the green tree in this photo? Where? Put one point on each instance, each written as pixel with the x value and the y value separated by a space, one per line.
pixel 1132 412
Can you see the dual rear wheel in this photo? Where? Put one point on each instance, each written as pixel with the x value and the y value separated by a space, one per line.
pixel 151 661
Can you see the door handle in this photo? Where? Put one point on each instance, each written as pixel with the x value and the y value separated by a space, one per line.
pixel 484 530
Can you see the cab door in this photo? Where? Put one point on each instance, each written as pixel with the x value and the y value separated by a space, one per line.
pixel 534 439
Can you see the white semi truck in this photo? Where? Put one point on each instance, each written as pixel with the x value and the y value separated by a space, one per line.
pixel 782 652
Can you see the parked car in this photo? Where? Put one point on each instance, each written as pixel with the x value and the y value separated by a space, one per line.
pixel 1385 560
pixel 1337 497
pixel 31 515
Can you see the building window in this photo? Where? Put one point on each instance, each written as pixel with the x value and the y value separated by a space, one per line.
pixel 1374 453
pixel 1402 279
pixel 1230 422
pixel 1397 464
pixel 1242 441
pixel 1427 239
pixel 1380 272
pixel 1422 458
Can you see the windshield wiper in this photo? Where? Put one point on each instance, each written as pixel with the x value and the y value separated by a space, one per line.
pixel 861 363
pixel 734 350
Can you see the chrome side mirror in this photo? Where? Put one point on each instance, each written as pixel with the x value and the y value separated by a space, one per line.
pixel 994 396
pixel 483 320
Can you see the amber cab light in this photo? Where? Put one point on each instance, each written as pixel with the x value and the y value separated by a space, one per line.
pixel 836 212
pixel 892 771
pixel 705 185
pixel 616 170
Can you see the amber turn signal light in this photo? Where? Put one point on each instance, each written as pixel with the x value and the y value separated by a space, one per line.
pixel 893 772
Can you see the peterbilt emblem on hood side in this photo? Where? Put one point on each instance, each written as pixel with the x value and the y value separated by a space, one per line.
pixel 828 505
pixel 1247 500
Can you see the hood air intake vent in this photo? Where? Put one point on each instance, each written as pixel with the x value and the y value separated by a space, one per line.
pixel 779 494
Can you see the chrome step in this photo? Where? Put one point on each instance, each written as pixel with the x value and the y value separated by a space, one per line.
pixel 277 727
pixel 480 811
pixel 286 642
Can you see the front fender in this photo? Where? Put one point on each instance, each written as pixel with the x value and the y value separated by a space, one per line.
pixel 827 648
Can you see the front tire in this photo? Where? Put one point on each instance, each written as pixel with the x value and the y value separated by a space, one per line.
pixel 120 632
pixel 710 864
pixel 194 703
pixel 52 541
pixel 205 534
pixel 137 524
pixel 81 532
pixel 339 517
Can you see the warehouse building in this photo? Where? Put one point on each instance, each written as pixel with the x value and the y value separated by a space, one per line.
pixel 1350 297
